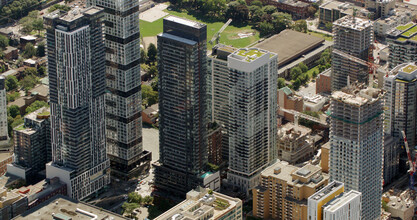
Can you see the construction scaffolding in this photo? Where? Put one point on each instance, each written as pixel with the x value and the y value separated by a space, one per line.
pixel 352 51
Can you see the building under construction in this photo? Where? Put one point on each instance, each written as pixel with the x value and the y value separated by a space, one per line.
pixel 356 140
pixel 352 50
pixel 294 143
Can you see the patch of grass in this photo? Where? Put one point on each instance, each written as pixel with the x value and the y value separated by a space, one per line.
pixel 45 113
pixel 312 70
pixel 410 32
pixel 21 127
pixel 413 38
pixel 401 39
pixel 221 204
pixel 325 36
pixel 228 37
pixel 150 29
pixel 404 27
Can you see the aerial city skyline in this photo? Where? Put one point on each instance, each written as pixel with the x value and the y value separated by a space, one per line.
pixel 217 109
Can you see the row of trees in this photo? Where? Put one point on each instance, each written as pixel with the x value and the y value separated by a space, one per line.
pixel 148 60
pixel 265 18
pixel 17 9
pixel 60 7
pixel 299 75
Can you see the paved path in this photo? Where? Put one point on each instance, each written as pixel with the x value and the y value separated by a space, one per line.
pixel 154 13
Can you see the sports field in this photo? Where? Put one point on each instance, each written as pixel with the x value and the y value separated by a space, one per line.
pixel 238 37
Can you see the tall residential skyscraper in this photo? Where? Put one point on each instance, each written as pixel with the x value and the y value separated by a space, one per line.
pixel 356 144
pixel 400 111
pixel 219 91
pixel 123 99
pixel 352 36
pixel 4 135
pixel 401 102
pixel 252 115
pixel 182 65
pixel 76 65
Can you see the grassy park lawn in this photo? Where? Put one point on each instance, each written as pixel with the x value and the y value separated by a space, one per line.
pixel 228 37
pixel 325 36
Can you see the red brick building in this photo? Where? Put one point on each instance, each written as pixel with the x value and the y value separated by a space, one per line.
pixel 287 99
pixel 323 82
pixel 5 158
pixel 215 144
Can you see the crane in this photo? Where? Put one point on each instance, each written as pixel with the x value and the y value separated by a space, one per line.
pixel 216 36
pixel 372 67
pixel 410 161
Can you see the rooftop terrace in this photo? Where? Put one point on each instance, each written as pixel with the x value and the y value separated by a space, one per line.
pixel 409 68
pixel 404 27
pixel 250 54
pixel 410 32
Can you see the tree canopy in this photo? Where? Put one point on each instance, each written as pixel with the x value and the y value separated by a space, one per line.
pixel 152 53
pixel 36 105
pixel 11 83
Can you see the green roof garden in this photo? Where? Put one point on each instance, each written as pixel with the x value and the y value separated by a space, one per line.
pixel 404 27
pixel 221 204
pixel 409 68
pixel 250 54
pixel 401 39
pixel 45 113
pixel 414 38
pixel 20 127
pixel 410 32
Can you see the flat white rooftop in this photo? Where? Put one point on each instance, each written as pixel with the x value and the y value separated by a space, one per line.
pixel 342 200
pixel 353 22
pixel 184 21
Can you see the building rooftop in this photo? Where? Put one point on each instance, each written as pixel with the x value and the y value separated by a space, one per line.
pixel 410 68
pixel 293 3
pixel 66 208
pixel 184 21
pixel 28 38
pixel 404 27
pixel 9 49
pixel 327 190
pixel 290 44
pixel 199 204
pixel 250 54
pixel 74 13
pixel 5 155
pixel 286 90
pixel 406 72
pixel 307 175
pixel 399 200
pixel 176 38
pixel 410 32
pixel 7 180
pixel 38 115
pixel 290 131
pixel 353 22
pixel 341 200
pixel 357 95
pixel 9 73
